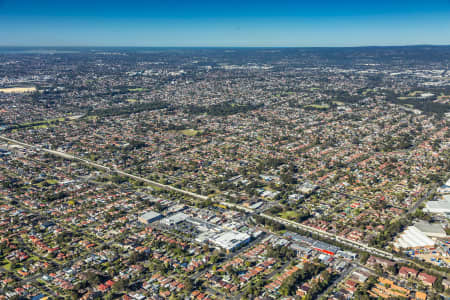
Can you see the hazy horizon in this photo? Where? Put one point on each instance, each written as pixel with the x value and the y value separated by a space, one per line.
pixel 201 23
pixel 215 47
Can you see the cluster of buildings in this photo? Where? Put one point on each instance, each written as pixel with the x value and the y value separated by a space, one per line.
pixel 328 146
pixel 205 232
pixel 428 241
pixel 407 283
pixel 440 206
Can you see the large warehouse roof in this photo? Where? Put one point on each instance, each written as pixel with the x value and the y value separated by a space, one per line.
pixel 230 240
pixel 149 217
pixel 440 206
pixel 413 238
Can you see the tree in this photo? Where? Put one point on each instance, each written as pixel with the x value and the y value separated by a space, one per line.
pixel 120 285
pixel 188 284
pixel 364 257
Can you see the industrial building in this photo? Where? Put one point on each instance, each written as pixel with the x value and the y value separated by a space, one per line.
pixel 413 238
pixel 445 189
pixel 440 206
pixel 434 230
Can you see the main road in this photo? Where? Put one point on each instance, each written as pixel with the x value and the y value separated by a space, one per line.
pixel 104 168
pixel 421 200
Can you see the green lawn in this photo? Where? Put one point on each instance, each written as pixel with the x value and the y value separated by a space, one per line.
pixel 34 258
pixel 190 132
pixel 7 266
pixel 289 215
pixel 137 90
pixel 367 91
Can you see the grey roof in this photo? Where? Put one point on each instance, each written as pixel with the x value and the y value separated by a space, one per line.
pixel 150 215
pixel 426 227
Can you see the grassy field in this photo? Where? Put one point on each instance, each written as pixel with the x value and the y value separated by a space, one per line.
pixel 43 124
pixel 18 90
pixel 289 215
pixel 367 91
pixel 190 132
pixel 137 90
pixel 7 267
pixel 318 106
pixel 131 100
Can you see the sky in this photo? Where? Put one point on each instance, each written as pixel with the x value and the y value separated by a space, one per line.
pixel 231 23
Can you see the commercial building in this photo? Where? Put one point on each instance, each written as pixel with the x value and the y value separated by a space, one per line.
pixel 230 240
pixel 325 248
pixel 174 219
pixel 4 152
pixel 307 187
pixel 149 217
pixel 176 208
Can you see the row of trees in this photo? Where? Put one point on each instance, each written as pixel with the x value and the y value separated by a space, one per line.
pixel 222 109
pixel 393 228
pixel 129 109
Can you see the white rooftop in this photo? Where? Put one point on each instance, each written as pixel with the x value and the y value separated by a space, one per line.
pixel 230 239
pixel 440 206
pixel 413 238
pixel 174 219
